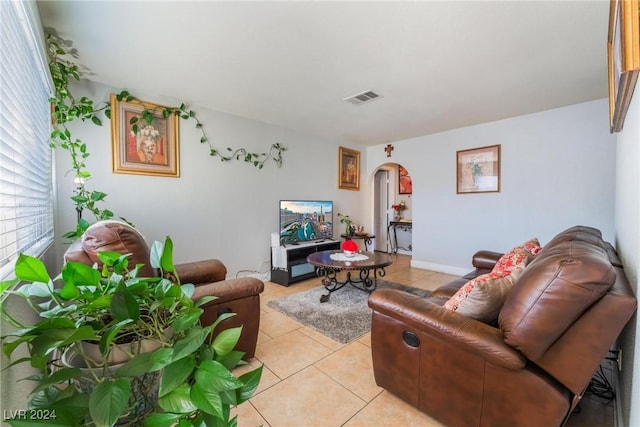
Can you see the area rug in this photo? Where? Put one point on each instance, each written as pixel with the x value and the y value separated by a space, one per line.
pixel 344 318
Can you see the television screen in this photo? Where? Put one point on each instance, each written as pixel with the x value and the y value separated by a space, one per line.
pixel 305 220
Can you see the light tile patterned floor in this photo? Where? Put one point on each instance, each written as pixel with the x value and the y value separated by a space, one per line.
pixel 310 380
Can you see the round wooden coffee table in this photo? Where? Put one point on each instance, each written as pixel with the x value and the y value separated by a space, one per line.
pixel 368 265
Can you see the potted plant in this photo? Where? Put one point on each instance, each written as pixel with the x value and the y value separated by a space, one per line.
pixel 348 223
pixel 184 379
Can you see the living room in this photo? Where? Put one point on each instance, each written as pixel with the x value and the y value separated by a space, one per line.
pixel 559 167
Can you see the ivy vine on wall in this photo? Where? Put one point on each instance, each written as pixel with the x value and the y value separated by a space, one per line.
pixel 66 108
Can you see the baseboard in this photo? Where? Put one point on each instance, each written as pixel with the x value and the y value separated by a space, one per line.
pixel 441 268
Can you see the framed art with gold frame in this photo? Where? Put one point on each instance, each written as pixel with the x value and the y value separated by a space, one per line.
pixel 478 170
pixel 153 149
pixel 623 51
pixel 348 169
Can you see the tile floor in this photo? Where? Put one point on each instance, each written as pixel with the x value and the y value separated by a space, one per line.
pixel 310 380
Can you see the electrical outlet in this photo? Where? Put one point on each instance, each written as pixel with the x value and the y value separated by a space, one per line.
pixel 619 359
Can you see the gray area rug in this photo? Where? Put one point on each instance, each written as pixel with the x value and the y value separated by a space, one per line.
pixel 344 318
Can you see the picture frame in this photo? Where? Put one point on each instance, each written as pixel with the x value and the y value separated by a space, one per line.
pixel 623 57
pixel 348 169
pixel 154 150
pixel 478 170
pixel 405 184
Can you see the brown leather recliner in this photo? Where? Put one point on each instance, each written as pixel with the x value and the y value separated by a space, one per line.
pixel 240 296
pixel 564 313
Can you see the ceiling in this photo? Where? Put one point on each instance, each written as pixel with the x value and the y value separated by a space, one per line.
pixel 436 65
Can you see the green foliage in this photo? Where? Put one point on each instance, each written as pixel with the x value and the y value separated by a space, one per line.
pixel 112 306
pixel 256 159
pixel 347 221
pixel 66 108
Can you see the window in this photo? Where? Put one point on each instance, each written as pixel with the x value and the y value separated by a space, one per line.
pixel 26 190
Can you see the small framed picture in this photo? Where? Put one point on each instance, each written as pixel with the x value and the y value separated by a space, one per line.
pixel 348 169
pixel 478 170
pixel 142 148
pixel 405 185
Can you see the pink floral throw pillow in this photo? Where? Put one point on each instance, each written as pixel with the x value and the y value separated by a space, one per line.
pixel 482 298
pixel 516 257
pixel 532 246
pixel 454 302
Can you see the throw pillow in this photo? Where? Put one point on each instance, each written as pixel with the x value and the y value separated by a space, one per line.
pixel 532 246
pixel 482 298
pixel 516 257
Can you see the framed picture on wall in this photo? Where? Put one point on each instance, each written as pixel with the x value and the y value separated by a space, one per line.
pixel 478 170
pixel 142 148
pixel 405 185
pixel 623 51
pixel 348 169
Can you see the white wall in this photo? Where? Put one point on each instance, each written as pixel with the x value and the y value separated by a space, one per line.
pixel 627 222
pixel 557 170
pixel 214 209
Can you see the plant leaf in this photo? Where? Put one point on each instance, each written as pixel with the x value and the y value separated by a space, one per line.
pixel 166 261
pixel 145 362
pixel 226 340
pixel 109 335
pixel 80 274
pixel 161 420
pixel 59 376
pixel 178 401
pixel 31 269
pixel 176 374
pixel 215 376
pixel 187 320
pixel 251 380
pixel 124 305
pixel 207 400
pixel 190 343
pixel 108 401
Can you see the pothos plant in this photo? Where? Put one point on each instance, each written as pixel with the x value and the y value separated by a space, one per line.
pixel 66 108
pixel 185 381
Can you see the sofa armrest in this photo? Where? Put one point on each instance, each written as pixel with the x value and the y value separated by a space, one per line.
pixel 228 290
pixel 206 271
pixel 453 328
pixel 485 259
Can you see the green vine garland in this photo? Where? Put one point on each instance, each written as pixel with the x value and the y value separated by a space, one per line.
pixel 66 108
pixel 257 159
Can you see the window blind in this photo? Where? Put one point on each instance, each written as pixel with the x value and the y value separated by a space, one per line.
pixel 26 189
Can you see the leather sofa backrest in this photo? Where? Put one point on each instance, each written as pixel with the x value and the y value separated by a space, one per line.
pixel 567 277
pixel 111 235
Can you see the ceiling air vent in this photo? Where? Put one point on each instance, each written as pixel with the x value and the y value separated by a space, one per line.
pixel 363 97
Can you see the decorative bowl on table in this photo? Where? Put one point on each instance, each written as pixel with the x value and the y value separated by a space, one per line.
pixel 349 254
pixel 349 248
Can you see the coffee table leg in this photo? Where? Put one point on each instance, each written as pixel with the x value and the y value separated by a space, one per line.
pixel 364 282
pixel 330 281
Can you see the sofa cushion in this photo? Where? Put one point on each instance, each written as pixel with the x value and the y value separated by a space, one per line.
pixel 482 298
pixel 578 233
pixel 555 289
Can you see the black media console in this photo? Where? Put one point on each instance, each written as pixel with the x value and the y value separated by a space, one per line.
pixel 289 263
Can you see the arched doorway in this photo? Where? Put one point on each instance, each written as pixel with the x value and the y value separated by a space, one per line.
pixel 393 187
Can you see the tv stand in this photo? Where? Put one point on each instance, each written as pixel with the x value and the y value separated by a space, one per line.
pixel 289 262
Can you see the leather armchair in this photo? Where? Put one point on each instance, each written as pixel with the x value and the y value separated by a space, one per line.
pixel 240 296
pixel 563 315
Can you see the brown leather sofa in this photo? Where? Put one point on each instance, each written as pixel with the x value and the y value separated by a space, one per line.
pixel 532 366
pixel 240 296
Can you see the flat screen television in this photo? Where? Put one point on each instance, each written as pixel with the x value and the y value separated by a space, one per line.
pixel 305 220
